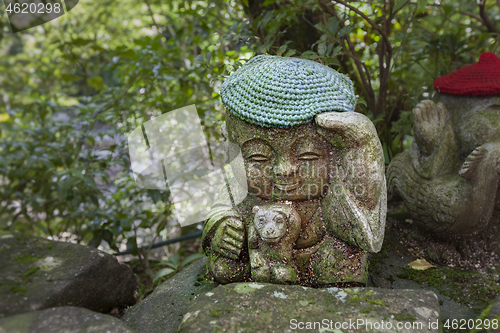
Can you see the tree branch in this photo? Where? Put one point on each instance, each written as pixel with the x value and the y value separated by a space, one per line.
pixel 364 74
pixel 472 15
pixel 363 15
pixel 486 19
pixel 151 13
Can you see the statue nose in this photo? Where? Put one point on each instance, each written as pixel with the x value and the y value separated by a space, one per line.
pixel 285 167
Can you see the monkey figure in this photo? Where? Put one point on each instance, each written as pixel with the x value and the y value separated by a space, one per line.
pixel 271 237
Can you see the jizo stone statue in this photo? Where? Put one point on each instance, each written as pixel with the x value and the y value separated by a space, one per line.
pixel 314 173
pixel 449 178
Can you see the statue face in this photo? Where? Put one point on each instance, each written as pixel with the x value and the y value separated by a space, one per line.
pixel 476 120
pixel 270 224
pixel 283 163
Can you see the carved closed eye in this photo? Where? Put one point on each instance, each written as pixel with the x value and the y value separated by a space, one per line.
pixel 258 158
pixel 280 220
pixel 309 156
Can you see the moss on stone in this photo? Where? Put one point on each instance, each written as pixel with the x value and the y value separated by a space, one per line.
pixel 367 298
pixel 18 289
pixel 375 261
pixel 403 316
pixel 354 299
pixel 337 142
pixel 25 258
pixel 376 302
pixel 463 286
pixel 242 288
pixel 31 271
pixel 216 313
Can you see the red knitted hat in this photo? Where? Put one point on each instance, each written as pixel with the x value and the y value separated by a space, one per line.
pixel 479 79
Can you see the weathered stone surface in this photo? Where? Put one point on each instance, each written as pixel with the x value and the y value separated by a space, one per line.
pixel 65 319
pixel 36 274
pixel 162 311
pixel 262 307
pixel 458 298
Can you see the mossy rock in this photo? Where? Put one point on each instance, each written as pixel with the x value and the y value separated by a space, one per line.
pixel 66 319
pixel 262 307
pixel 162 311
pixel 36 274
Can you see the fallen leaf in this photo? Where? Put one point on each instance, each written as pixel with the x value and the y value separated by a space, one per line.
pixel 420 264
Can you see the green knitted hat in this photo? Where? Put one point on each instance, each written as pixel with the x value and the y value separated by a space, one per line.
pixel 273 91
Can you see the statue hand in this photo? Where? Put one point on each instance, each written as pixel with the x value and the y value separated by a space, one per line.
pixel 229 237
pixel 429 121
pixel 363 157
pixel 354 128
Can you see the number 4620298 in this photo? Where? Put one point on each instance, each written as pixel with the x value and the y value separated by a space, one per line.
pixel 33 8
pixel 463 324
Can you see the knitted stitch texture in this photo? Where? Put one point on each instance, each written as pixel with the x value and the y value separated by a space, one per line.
pixel 479 79
pixel 273 91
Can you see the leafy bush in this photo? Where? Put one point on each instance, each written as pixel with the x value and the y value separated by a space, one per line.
pixel 174 265
pixel 73 89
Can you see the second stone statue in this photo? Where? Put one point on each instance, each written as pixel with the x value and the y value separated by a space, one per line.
pixel 313 177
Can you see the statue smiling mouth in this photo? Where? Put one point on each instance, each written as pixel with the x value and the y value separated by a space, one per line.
pixel 287 187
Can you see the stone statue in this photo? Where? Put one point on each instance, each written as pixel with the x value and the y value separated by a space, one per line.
pixel 449 178
pixel 314 174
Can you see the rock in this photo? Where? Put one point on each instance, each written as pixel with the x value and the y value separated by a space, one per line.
pixel 494 312
pixel 162 311
pixel 387 265
pixel 65 319
pixel 262 307
pixel 37 274
pixel 458 298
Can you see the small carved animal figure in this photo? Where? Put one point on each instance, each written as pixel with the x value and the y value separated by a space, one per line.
pixel 271 237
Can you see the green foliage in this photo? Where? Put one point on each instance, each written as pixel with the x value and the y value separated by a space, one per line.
pixel 392 50
pixel 73 89
pixel 465 287
pixel 174 265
